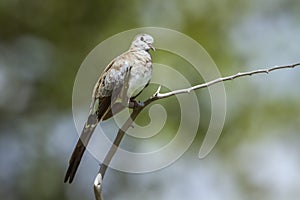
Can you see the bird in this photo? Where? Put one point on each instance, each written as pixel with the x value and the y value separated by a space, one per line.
pixel 124 78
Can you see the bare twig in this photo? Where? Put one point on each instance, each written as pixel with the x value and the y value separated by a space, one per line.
pixel 156 96
pixel 227 78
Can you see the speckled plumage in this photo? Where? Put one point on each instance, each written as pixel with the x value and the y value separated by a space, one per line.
pixel 136 64
pixel 113 77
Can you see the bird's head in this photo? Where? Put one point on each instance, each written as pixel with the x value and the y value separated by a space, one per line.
pixel 143 42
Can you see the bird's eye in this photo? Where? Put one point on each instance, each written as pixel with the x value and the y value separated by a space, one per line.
pixel 142 39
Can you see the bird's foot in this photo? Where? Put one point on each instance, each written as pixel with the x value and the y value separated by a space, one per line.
pixel 134 103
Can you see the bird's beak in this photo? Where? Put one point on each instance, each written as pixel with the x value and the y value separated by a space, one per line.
pixel 152 47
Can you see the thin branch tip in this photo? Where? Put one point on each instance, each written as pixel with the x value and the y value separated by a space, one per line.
pixel 157 91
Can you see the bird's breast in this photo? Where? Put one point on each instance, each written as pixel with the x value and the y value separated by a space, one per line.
pixel 140 75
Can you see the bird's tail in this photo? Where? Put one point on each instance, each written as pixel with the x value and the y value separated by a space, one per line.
pixel 77 154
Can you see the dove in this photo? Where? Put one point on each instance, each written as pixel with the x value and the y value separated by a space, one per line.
pixel 124 78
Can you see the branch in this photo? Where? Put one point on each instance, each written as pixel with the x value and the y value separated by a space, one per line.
pixel 98 187
pixel 118 140
pixel 156 96
pixel 227 78
pixel 110 154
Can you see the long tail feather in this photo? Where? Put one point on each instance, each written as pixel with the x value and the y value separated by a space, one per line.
pixel 80 147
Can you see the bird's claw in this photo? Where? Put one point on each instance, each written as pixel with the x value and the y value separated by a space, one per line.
pixel 134 104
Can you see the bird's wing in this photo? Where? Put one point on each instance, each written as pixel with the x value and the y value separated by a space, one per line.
pixel 119 83
pixel 115 108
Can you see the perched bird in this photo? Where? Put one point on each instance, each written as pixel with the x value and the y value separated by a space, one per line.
pixel 124 78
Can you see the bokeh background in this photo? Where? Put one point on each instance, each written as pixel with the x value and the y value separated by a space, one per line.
pixel 43 43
